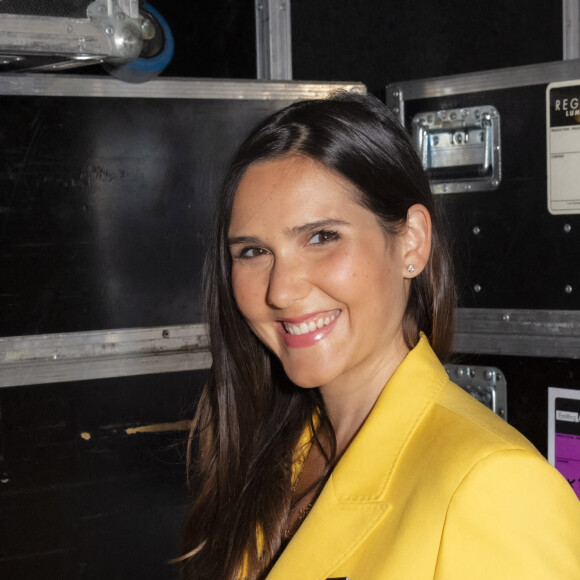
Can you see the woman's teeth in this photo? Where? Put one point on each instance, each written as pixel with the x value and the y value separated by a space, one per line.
pixel 305 327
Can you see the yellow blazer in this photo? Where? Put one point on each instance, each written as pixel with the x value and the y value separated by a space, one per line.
pixel 436 486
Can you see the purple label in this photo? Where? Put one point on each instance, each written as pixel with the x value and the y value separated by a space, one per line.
pixel 567 455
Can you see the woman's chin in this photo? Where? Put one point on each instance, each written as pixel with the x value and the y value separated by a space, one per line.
pixel 305 380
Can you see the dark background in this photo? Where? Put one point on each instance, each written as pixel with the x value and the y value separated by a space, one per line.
pixel 373 41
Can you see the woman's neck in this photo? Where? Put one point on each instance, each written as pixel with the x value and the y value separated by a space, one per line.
pixel 349 401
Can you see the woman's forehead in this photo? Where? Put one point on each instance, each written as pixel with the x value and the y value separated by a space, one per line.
pixel 288 188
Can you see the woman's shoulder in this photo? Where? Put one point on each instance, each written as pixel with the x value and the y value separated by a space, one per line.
pixel 455 418
pixel 471 448
pixel 468 429
pixel 464 415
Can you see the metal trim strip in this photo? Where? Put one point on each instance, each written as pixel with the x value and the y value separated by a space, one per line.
pixel 541 333
pixel 50 85
pixel 78 356
pixel 273 39
pixel 570 29
pixel 504 78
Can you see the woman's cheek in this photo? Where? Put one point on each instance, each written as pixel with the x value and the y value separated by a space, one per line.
pixel 342 268
pixel 247 291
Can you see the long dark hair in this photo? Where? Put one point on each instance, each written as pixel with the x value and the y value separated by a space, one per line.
pixel 250 416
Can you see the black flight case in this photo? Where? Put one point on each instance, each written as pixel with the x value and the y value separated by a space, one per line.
pixel 503 151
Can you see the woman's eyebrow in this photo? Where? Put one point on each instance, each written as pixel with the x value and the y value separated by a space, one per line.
pixel 317 225
pixel 245 240
pixel 290 232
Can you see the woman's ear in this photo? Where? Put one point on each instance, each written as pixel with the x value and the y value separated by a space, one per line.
pixel 416 240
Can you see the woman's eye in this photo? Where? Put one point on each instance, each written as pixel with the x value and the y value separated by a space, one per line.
pixel 323 237
pixel 251 253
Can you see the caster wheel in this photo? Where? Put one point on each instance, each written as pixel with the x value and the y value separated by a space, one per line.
pixel 156 54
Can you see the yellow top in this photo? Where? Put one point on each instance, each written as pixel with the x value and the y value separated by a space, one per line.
pixel 435 486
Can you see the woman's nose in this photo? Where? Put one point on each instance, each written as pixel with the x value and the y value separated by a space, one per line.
pixel 288 283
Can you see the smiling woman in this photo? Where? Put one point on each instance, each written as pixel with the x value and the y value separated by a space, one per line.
pixel 330 441
pixel 327 302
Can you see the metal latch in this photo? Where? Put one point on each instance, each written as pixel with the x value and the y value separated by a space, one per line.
pixel 460 148
pixel 486 384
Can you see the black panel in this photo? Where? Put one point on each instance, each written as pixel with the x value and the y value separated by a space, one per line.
pixel 107 205
pixel 82 496
pixel 522 256
pixel 212 39
pixel 380 42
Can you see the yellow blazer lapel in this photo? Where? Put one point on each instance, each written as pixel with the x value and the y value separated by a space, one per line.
pixel 330 533
pixel 357 498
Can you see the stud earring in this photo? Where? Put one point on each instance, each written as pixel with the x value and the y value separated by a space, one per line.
pixel 411 268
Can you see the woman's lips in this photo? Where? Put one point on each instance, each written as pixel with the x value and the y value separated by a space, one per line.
pixel 308 330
